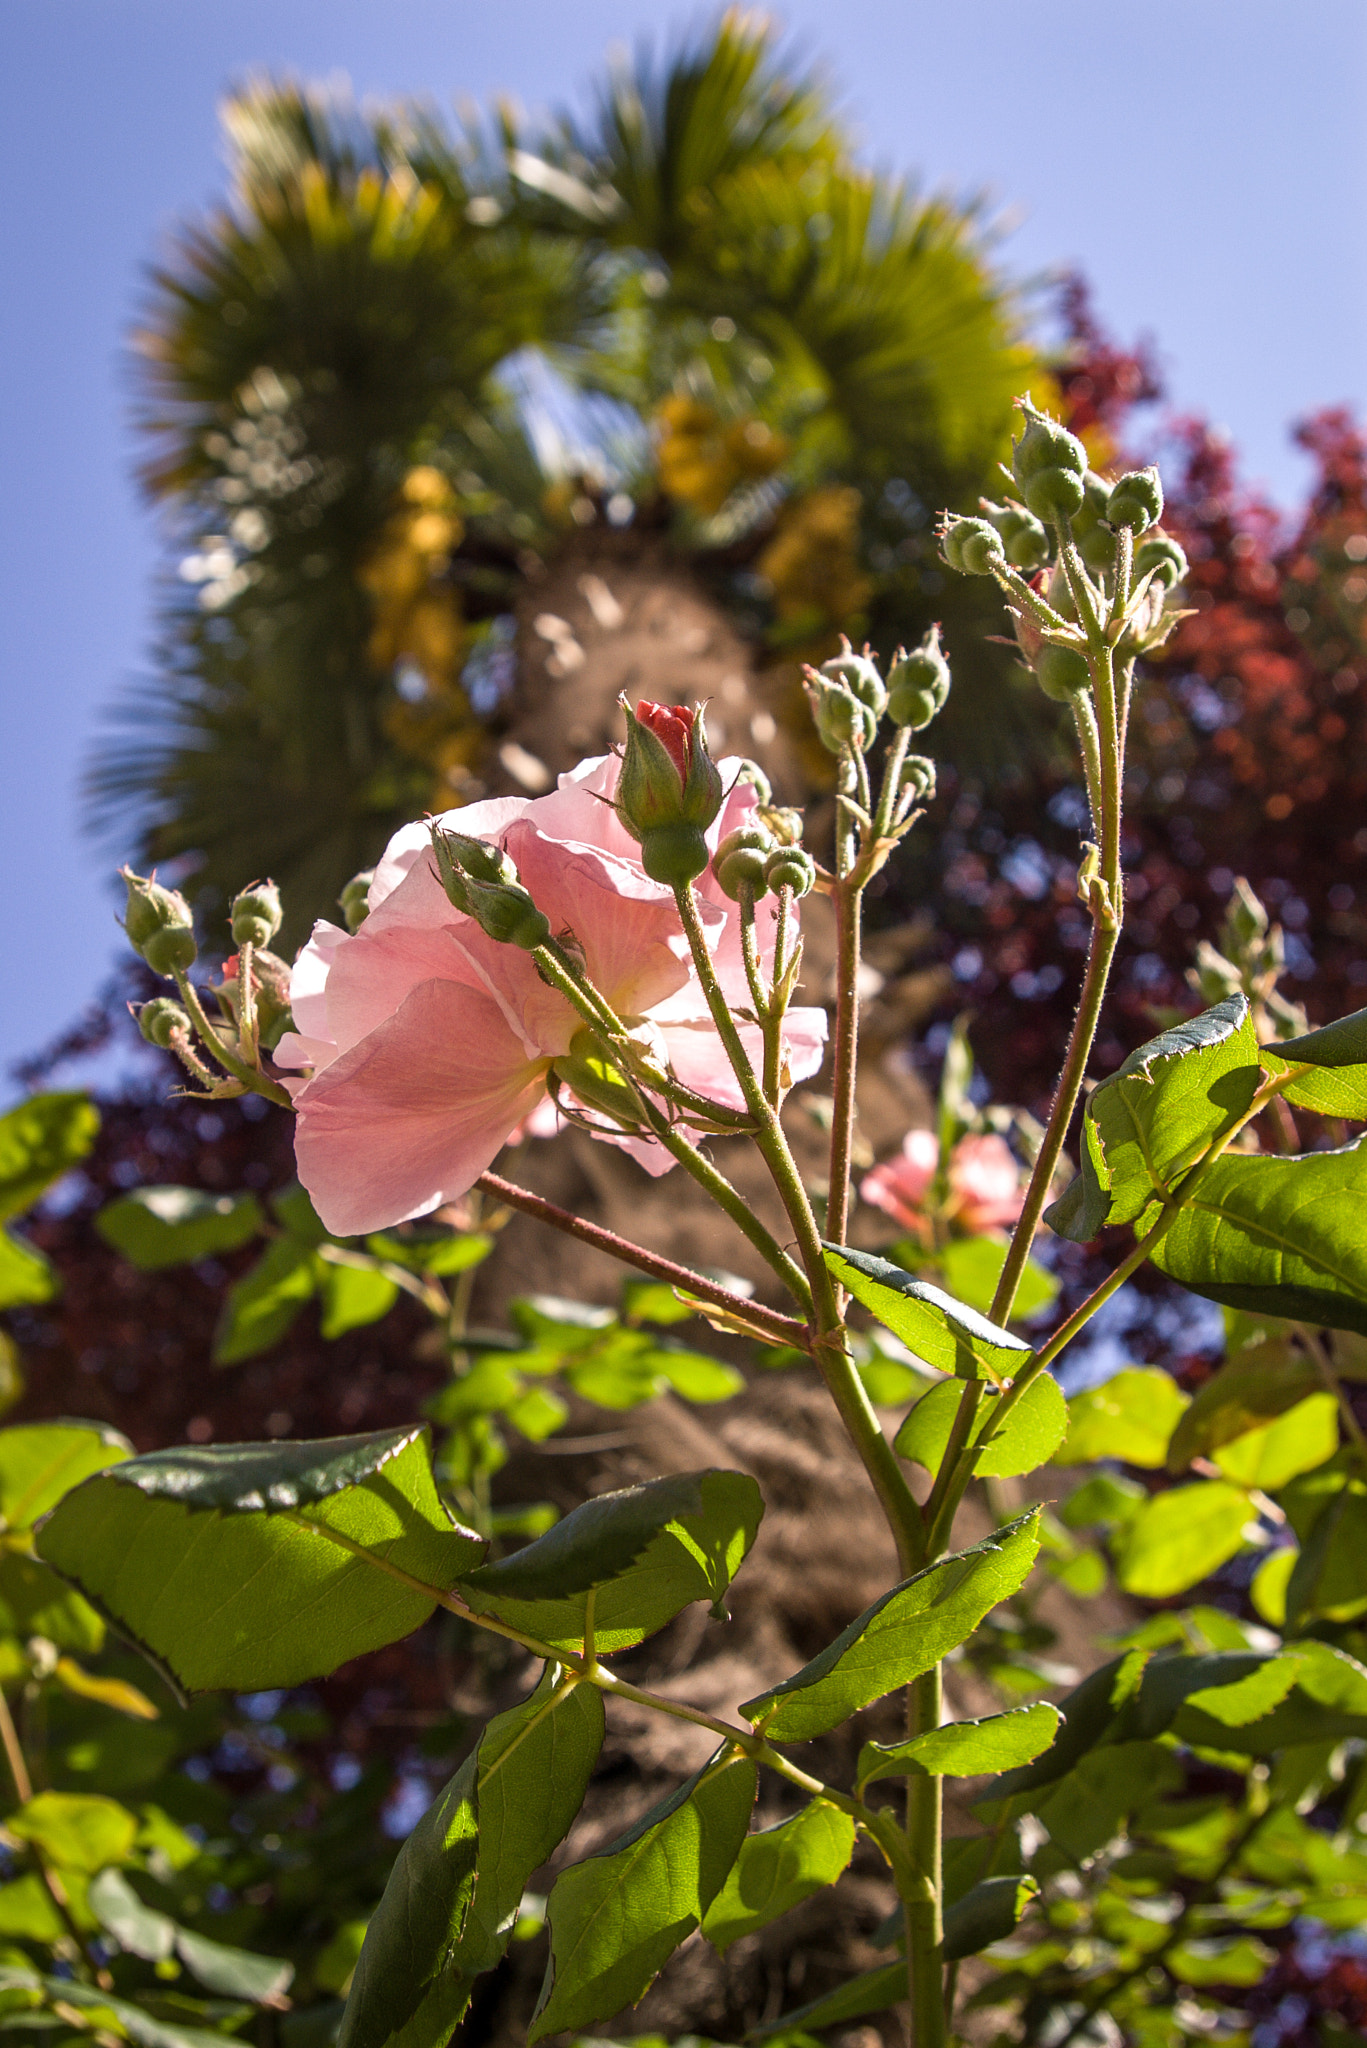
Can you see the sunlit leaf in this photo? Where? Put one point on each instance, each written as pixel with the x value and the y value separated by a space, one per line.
pixel 964 1749
pixel 778 1868
pixel 1131 1416
pixel 259 1309
pixel 40 1139
pixel 172 1226
pixel 944 1332
pixel 1028 1438
pixel 1178 1538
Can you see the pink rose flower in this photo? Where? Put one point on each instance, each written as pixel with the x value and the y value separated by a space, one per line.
pixel 899 1185
pixel 985 1182
pixel 430 1043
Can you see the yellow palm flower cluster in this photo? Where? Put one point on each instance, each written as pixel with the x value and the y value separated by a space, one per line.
pixel 812 562
pixel 701 457
pixel 416 616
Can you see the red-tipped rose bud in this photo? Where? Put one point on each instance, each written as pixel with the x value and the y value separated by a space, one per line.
pixel 670 789
pixel 159 925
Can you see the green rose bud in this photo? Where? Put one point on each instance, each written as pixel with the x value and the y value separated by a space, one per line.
pixel 785 824
pixel 973 546
pixel 918 775
pixel 482 882
pixel 842 720
pixel 1136 501
pixel 738 862
pixel 1023 537
pixel 161 1021
pixel 1161 554
pixel 354 901
pixel 1062 672
pixel 1096 544
pixel 859 675
pixel 1045 445
pixel 918 683
pixel 674 854
pixel 256 914
pixel 596 1082
pixel 159 925
pixel 790 867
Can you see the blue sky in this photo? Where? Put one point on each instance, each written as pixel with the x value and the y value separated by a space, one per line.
pixel 1205 162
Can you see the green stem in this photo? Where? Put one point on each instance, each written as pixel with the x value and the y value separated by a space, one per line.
pixel 921 1910
pixel 734 1204
pixel 848 909
pixel 827 1344
pixel 251 1077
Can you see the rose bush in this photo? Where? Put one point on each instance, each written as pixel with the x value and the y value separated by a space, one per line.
pixel 426 1042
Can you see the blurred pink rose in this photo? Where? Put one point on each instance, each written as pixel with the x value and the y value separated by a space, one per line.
pixel 985 1183
pixel 899 1185
pixel 430 1043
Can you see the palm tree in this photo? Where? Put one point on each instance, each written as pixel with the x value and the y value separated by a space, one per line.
pixel 411 379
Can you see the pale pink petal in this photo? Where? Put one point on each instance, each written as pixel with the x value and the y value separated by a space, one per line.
pixel 309 978
pixel 373 971
pixel 410 1117
pixel 647 1152
pixel 294 1050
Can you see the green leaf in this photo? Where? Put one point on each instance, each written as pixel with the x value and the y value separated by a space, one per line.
pixel 40 1139
pixel 76 1830
pixel 873 1991
pixel 260 1565
pixel 27 1912
pixel 137 2024
pixel 233 1972
pixel 1221 1959
pixel 1158 1113
pixel 643 1554
pixel 617 1918
pixel 1087 1808
pixel 40 1461
pixel 441 1256
pixel 778 1868
pixel 538 1413
pixel 352 1296
pixel 972 1266
pixel 26 1276
pixel 696 1377
pixel 990 1912
pixel 944 1332
pixel 1305 1437
pixel 1329 1577
pixel 171 1226
pixel 1031 1434
pixel 260 1307
pixel 35 1602
pixel 1248 1392
pixel 1336 1056
pixel 903 1634
pixel 293 1207
pixel 451 1902
pixel 1281 1235
pixel 139 1929
pixel 1130 1417
pixel 652 1301
pixel 1088 1711
pixel 1179 1538
pixel 965 1749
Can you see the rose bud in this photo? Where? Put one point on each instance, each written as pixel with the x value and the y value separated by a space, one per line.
pixel 739 862
pixel 972 546
pixel 842 720
pixel 1023 537
pixel 670 789
pixel 159 925
pixel 1049 465
pixel 1136 501
pixel 858 673
pixel 481 881
pixel 790 867
pixel 918 775
pixel 1095 541
pixel 161 1021
pixel 256 914
pixel 1062 672
pixel 354 901
pixel 1161 554
pixel 918 683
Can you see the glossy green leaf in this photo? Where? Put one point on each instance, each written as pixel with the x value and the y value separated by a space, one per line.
pixel 352 1297
pixel 258 1565
pixel 1281 1235
pixel 1336 1058
pixel 40 1139
pixel 1305 1437
pixel 1328 1579
pixel 652 1301
pixel 990 1912
pixel 903 1634
pixel 778 1868
pixel 172 1226
pixel 1089 1712
pixel 944 1332
pixel 965 1749
pixel 441 1256
pixel 138 1928
pixel 1131 1416
pixel 1157 1114
pixel 1251 1390
pixel 259 1308
pixel 618 1917
pixel 233 1972
pixel 1084 1810
pixel 643 1554
pixel 35 1602
pixel 26 1276
pixel 1031 1434
pixel 1178 1538
pixel 971 1268
pixel 76 1830
pixel 40 1461
pixel 451 1902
